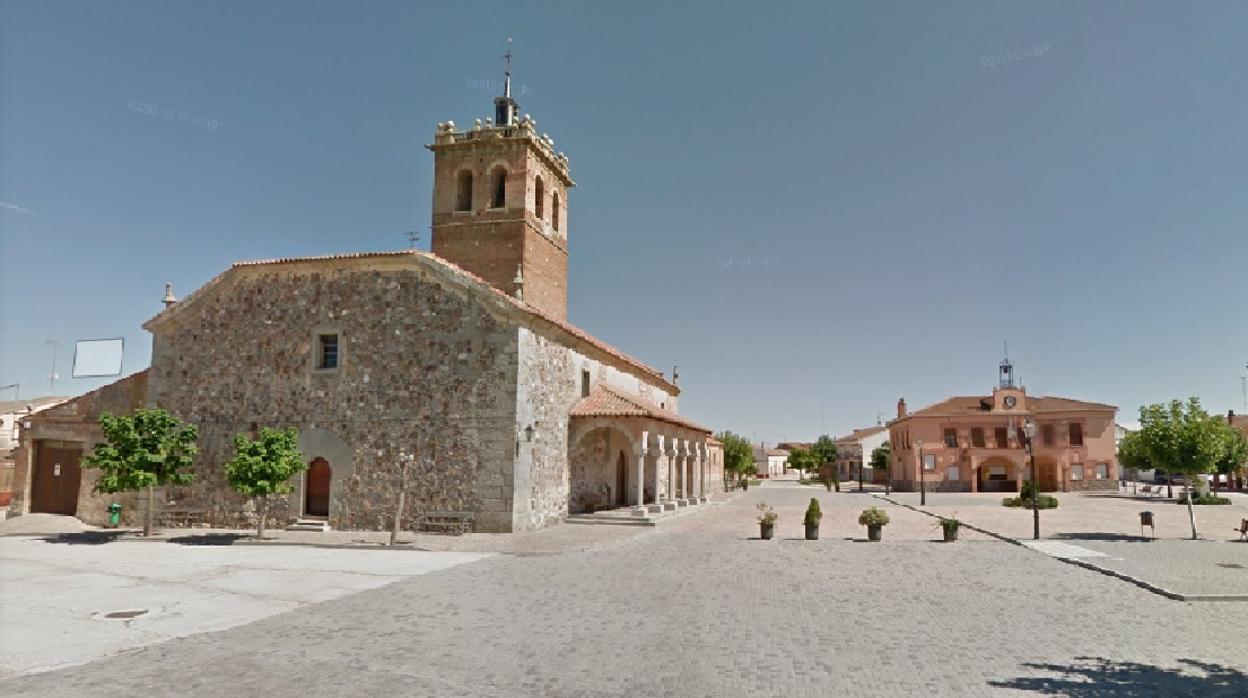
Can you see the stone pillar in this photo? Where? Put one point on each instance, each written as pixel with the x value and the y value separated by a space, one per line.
pixel 669 504
pixel 658 467
pixel 686 483
pixel 639 455
pixel 702 473
pixel 974 473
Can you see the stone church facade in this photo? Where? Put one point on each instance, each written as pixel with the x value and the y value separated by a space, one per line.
pixel 459 362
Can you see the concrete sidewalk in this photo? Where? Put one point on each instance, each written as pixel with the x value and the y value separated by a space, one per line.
pixel 66 604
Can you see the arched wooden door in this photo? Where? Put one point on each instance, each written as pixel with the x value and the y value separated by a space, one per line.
pixel 316 488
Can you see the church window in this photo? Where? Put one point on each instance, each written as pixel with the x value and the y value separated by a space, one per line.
pixel 539 196
pixel 554 211
pixel 499 200
pixel 327 351
pixel 584 383
pixel 463 199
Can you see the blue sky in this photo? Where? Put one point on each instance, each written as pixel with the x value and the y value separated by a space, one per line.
pixel 813 208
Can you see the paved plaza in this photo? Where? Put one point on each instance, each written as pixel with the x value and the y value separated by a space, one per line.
pixel 700 607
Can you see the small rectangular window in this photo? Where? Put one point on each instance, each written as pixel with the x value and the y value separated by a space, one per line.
pixel 951 438
pixel 953 473
pixel 1002 437
pixel 1076 434
pixel 1102 471
pixel 1076 471
pixel 929 461
pixel 584 383
pixel 327 351
pixel 1046 434
pixel 977 437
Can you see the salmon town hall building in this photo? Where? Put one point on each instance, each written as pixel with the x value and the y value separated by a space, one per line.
pixel 460 363
pixel 976 443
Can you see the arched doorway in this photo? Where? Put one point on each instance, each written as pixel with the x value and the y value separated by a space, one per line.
pixel 600 473
pixel 316 488
pixel 997 475
pixel 621 481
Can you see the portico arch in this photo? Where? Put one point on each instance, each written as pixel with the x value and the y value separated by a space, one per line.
pixel 602 472
pixel 998 474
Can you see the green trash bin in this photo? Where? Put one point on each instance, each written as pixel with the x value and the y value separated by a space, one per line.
pixel 114 515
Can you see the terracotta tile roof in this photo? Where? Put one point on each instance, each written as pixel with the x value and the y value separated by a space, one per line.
pixel 604 401
pixel 973 404
pixel 859 434
pixel 428 258
pixel 760 452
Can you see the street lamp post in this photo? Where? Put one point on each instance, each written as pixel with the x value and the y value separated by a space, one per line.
pixel 1029 428
pixel 922 480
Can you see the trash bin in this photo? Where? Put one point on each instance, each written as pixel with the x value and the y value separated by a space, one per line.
pixel 1146 519
pixel 114 515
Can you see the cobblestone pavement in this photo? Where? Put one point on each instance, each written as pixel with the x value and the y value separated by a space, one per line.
pixel 699 607
pixel 1185 567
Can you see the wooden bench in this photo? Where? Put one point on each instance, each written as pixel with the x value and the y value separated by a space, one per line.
pixel 1243 530
pixel 455 523
pixel 184 517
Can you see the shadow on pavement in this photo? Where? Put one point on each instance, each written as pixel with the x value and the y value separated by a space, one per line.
pixel 1096 677
pixel 87 537
pixel 210 539
pixel 1092 535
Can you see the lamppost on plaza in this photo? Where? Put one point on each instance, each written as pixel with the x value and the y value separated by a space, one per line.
pixel 1029 429
pixel 922 480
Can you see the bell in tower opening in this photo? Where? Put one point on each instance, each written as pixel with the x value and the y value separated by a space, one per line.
pixel 1007 373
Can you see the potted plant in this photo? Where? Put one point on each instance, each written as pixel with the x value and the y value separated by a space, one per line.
pixel 874 519
pixel 766 521
pixel 950 526
pixel 813 517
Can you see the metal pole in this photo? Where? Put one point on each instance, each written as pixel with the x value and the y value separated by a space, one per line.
pixel 1035 491
pixel 922 480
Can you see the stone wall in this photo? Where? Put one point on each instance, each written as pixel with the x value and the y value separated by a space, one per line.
pixel 425 367
pixel 549 385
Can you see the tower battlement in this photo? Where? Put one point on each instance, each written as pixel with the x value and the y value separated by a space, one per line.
pixel 446 136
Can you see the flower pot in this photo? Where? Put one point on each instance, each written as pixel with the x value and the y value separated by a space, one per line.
pixel 745 486
pixel 874 532
pixel 951 534
pixel 766 531
pixel 812 532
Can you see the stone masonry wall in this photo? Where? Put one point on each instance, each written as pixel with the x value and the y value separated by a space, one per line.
pixel 424 368
pixel 549 385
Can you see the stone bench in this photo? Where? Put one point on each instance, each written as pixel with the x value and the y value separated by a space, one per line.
pixel 455 523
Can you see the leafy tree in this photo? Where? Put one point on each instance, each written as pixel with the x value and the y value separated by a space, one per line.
pixel 881 458
pixel 1133 453
pixel 738 455
pixel 264 466
pixel 1234 453
pixel 146 449
pixel 825 452
pixel 802 460
pixel 1183 437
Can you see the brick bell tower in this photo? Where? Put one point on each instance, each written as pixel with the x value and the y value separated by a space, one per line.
pixel 500 202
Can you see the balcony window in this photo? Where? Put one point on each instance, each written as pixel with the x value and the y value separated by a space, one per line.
pixel 1076 434
pixel 977 437
pixel 1002 437
pixel 951 438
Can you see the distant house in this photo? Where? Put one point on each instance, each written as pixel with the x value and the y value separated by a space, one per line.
pixel 853 452
pixel 770 462
pixel 11 414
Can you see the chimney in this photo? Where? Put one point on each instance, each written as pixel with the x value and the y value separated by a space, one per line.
pixel 901 408
pixel 675 375
pixel 168 300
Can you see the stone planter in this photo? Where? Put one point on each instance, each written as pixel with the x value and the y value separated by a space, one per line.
pixel 812 532
pixel 951 535
pixel 766 531
pixel 745 486
pixel 874 533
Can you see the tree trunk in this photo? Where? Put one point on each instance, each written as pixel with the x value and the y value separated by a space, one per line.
pixel 151 515
pixel 264 514
pixel 1191 513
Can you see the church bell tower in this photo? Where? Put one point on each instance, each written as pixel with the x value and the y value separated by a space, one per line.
pixel 500 193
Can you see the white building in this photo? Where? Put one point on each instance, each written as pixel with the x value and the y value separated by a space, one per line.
pixel 771 463
pixel 854 452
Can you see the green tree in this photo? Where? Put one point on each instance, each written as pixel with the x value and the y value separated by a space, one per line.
pixel 1234 453
pixel 881 458
pixel 263 466
pixel 802 460
pixel 1133 453
pixel 146 449
pixel 1182 437
pixel 738 455
pixel 824 451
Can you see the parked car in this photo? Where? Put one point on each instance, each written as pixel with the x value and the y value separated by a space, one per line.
pixel 1160 478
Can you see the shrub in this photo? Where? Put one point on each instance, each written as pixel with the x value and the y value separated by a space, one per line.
pixel 768 515
pixel 1207 499
pixel 874 516
pixel 950 524
pixel 1028 491
pixel 1045 502
pixel 813 515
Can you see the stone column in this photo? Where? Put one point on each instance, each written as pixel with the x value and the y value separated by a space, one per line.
pixel 639 455
pixel 658 467
pixel 702 473
pixel 670 503
pixel 686 489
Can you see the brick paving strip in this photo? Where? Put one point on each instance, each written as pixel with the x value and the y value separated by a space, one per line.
pixel 1075 555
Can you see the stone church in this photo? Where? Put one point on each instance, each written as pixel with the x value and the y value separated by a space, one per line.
pixel 460 364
